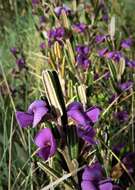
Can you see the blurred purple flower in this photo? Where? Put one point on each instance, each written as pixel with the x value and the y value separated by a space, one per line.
pixel 121 116
pixel 42 45
pixel 14 51
pixel 127 43
pixel 20 63
pixel 58 10
pixel 102 52
pixel 125 86
pixel 80 27
pixel 129 161
pixel 83 61
pixel 56 34
pixel 92 179
pixel 82 49
pixel 130 63
pixel 36 111
pixel 100 38
pixel 46 142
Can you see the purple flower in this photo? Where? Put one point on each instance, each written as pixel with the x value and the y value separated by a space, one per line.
pixel 82 49
pixel 83 61
pixel 87 133
pixel 125 86
pixel 121 116
pixel 114 55
pixel 127 43
pixel 42 45
pixel 20 63
pixel 92 179
pixel 129 161
pixel 100 38
pixel 80 27
pixel 36 111
pixel 46 142
pixel 14 51
pixel 56 34
pixel 58 10
pixel 130 63
pixel 84 120
pixel 102 52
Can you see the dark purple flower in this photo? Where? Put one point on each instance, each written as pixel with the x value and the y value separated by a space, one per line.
pixel 80 27
pixel 20 63
pixel 46 142
pixel 87 133
pixel 127 43
pixel 125 86
pixel 42 45
pixel 82 49
pixel 83 61
pixel 84 120
pixel 56 34
pixel 117 56
pixel 121 116
pixel 100 38
pixel 14 51
pixel 129 161
pixel 36 111
pixel 58 10
pixel 92 179
pixel 114 55
pixel 130 63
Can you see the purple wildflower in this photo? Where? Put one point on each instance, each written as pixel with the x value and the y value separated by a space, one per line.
pixel 84 120
pixel 56 34
pixel 46 142
pixel 125 86
pixel 130 63
pixel 127 43
pixel 58 10
pixel 102 52
pixel 80 27
pixel 82 49
pixel 83 61
pixel 121 116
pixel 14 51
pixel 100 38
pixel 36 111
pixel 20 63
pixel 129 161
pixel 92 179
